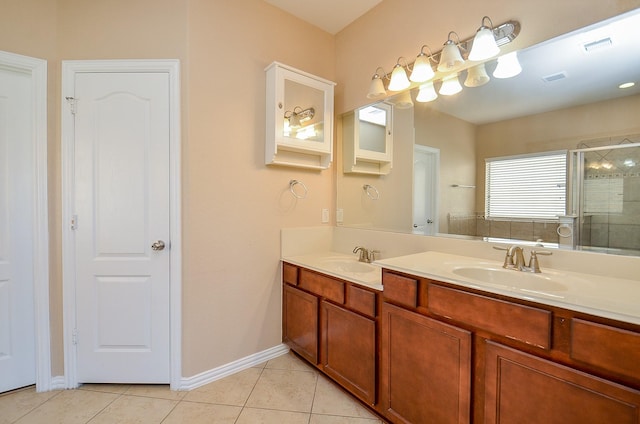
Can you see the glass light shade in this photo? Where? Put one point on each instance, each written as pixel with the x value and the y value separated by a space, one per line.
pixel 450 57
pixel 399 80
pixel 450 85
pixel 422 70
pixel 484 45
pixel 404 101
pixel 508 66
pixel 426 93
pixel 294 121
pixel 476 76
pixel 376 88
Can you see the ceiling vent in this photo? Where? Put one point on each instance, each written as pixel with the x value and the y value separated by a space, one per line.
pixel 555 77
pixel 603 43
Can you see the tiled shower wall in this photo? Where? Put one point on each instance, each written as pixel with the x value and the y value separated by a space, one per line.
pixel 477 225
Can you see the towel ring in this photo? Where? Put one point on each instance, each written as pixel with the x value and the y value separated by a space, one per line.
pixel 371 191
pixel 292 189
pixel 565 234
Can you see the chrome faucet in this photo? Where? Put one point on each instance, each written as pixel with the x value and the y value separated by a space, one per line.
pixel 514 259
pixel 366 255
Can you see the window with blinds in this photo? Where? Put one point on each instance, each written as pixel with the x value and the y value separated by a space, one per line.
pixel 526 186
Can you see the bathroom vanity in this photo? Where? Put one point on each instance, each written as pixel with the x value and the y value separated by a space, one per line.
pixel 432 345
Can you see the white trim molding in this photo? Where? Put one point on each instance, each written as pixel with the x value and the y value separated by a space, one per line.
pixel 37 69
pixel 69 69
pixel 206 377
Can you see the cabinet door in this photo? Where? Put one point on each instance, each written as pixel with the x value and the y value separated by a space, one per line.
pixel 348 350
pixel 425 369
pixel 521 388
pixel 300 322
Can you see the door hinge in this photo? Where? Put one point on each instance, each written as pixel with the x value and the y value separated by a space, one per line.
pixel 74 336
pixel 72 104
pixel 74 222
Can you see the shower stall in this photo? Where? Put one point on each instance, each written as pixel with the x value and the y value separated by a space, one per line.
pixel 604 198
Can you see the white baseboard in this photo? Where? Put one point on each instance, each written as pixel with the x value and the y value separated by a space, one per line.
pixel 206 377
pixel 58 383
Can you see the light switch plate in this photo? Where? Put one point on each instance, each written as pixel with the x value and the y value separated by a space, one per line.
pixel 339 216
pixel 325 216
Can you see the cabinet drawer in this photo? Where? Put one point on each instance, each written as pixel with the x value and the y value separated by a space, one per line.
pixel 606 347
pixel 322 286
pixel 361 300
pixel 400 289
pixel 290 274
pixel 518 322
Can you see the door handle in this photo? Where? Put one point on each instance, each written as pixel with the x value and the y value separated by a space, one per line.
pixel 157 245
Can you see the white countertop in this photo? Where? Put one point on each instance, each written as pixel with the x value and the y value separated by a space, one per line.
pixel 342 266
pixel 607 297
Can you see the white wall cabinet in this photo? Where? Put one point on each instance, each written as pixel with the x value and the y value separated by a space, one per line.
pixel 368 140
pixel 299 118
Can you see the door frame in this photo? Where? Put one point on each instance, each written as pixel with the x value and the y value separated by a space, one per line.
pixel 37 70
pixel 69 70
pixel 435 183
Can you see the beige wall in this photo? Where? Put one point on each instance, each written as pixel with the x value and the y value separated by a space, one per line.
pixel 234 206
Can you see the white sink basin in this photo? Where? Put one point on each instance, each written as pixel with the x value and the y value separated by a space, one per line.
pixel 510 278
pixel 350 266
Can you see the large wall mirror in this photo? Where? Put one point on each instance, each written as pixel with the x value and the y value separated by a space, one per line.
pixel 566 99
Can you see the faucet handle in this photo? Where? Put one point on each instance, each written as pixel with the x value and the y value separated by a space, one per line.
pixel 372 255
pixel 508 258
pixel 534 265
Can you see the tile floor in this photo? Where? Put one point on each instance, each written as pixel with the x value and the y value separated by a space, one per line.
pixel 281 391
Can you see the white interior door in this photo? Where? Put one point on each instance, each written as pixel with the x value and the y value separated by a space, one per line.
pixel 121 220
pixel 17 214
pixel 426 165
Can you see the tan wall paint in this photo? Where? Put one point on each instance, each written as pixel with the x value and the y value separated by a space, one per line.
pixel 234 204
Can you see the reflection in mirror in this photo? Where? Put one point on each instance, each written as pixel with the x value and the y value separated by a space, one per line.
pixel 368 139
pixel 372 124
pixel 566 97
pixel 304 112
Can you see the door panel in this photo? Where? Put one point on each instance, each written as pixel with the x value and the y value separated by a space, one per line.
pixel 122 207
pixel 425 190
pixel 17 216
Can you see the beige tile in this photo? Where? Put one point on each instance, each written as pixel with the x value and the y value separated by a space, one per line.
pixel 335 419
pixel 232 390
pixel 266 416
pixel 135 410
pixel 69 407
pixel 159 391
pixel 288 361
pixel 201 413
pixel 284 390
pixel 17 404
pixel 105 388
pixel 330 400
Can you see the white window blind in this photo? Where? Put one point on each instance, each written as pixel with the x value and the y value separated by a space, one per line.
pixel 527 186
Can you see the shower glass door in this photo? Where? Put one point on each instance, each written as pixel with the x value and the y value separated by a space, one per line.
pixel 605 198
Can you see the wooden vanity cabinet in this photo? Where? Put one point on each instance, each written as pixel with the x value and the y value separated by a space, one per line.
pixel 425 369
pixel 529 362
pixel 333 324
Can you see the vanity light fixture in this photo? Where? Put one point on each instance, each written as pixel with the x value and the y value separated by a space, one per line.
pixel 450 58
pixel 404 100
pixel 626 85
pixel 484 43
pixel 399 80
pixel 450 85
pixel 508 66
pixel 476 76
pixel 298 116
pixel 376 87
pixel 427 93
pixel 422 70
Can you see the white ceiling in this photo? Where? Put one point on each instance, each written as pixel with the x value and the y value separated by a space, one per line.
pixel 329 15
